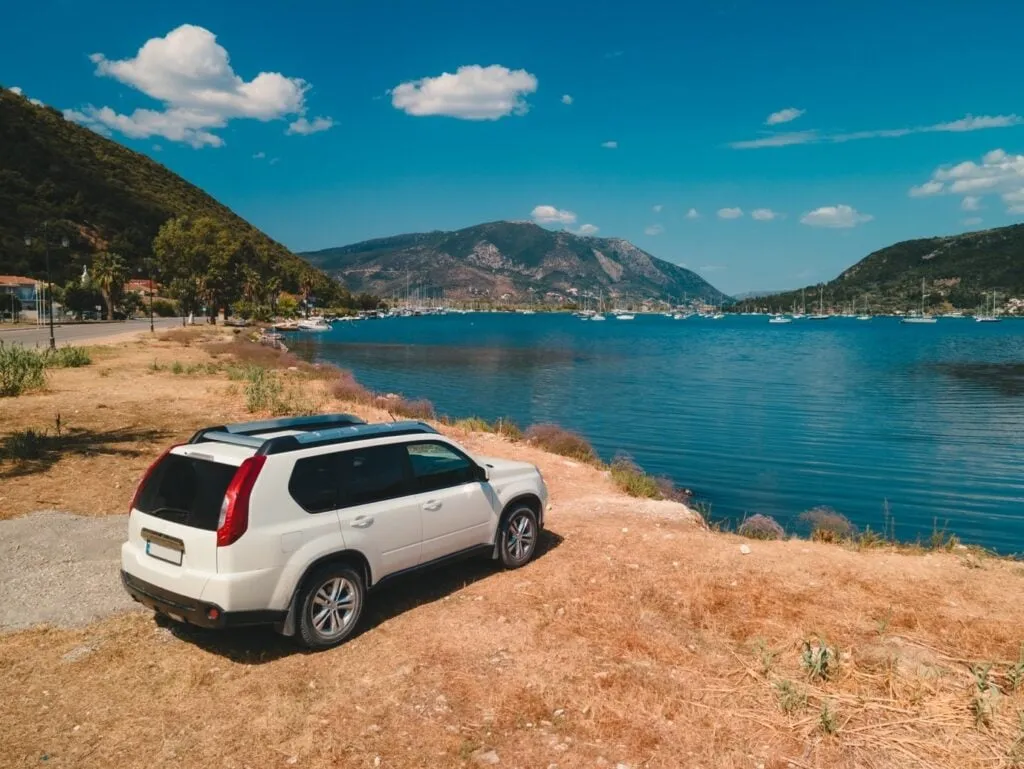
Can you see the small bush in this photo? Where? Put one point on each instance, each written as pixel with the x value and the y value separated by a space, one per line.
pixel 558 440
pixel 761 527
pixel 791 697
pixel 827 525
pixel 399 406
pixel 508 429
pixel 819 660
pixel 21 370
pixel 262 390
pixel 473 425
pixel 346 388
pixel 67 357
pixel 25 445
pixel 177 368
pixel 164 309
pixel 632 479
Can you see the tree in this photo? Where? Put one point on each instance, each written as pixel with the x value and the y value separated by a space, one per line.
pixel 109 273
pixel 80 299
pixel 287 306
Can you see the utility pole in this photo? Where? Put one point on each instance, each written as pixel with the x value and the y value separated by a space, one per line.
pixel 49 281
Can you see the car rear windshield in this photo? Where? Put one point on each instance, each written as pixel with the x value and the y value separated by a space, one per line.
pixel 186 490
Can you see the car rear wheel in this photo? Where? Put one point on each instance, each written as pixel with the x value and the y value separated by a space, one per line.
pixel 519 538
pixel 331 605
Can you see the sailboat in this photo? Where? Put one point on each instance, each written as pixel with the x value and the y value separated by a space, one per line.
pixel 803 306
pixel 922 318
pixel 866 315
pixel 599 314
pixel 993 318
pixel 821 306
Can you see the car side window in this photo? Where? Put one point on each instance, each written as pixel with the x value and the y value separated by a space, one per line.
pixel 373 474
pixel 439 466
pixel 314 483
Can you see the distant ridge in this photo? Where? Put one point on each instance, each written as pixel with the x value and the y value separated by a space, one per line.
pixel 517 260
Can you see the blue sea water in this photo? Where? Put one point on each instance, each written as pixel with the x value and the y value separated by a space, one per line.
pixel 753 417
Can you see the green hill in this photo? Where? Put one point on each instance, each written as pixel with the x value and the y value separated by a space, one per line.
pixel 516 260
pixel 96 192
pixel 959 271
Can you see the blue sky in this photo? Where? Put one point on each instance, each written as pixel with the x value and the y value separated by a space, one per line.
pixel 888 101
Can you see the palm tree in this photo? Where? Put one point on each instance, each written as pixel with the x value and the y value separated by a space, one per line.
pixel 109 273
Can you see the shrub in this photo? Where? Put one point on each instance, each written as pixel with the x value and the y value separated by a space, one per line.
pixel 558 440
pixel 346 388
pixel 21 370
pixel 632 479
pixel 163 308
pixel 473 425
pixel 508 429
pixel 25 444
pixel 262 391
pixel 827 525
pixel 761 527
pixel 396 404
pixel 67 357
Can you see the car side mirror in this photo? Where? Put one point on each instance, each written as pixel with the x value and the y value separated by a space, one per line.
pixel 481 474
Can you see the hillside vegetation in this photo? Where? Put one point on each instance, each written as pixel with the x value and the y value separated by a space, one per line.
pixel 99 194
pixel 515 260
pixel 959 271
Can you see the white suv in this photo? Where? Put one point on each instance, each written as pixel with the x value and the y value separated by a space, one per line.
pixel 291 521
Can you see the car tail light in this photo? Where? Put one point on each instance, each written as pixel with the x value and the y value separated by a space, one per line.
pixel 147 474
pixel 234 511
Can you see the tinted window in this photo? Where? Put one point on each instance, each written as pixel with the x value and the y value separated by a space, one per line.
pixel 186 490
pixel 438 466
pixel 314 483
pixel 372 474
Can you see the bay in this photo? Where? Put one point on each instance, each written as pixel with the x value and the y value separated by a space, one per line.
pixel 926 420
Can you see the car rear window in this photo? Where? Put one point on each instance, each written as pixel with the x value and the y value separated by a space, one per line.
pixel 186 490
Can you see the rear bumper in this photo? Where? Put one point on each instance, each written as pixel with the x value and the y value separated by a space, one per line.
pixel 191 610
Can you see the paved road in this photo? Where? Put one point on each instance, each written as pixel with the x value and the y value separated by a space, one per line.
pixel 40 336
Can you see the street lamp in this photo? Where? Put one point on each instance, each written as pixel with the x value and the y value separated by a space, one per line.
pixel 149 270
pixel 49 282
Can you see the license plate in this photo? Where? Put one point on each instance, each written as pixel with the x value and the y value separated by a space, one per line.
pixel 164 553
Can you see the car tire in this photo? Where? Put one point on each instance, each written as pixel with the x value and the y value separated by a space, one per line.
pixel 330 606
pixel 517 540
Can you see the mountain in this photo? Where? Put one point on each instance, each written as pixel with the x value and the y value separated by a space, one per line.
pixel 958 270
pixel 517 260
pixel 97 193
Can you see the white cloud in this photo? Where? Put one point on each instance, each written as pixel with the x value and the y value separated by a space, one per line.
pixel 764 214
pixel 972 221
pixel 730 213
pixel 158 148
pixel 840 216
pixel 998 172
pixel 15 89
pixel 275 161
pixel 587 230
pixel 693 213
pixel 711 268
pixel 926 189
pixel 784 116
pixel 259 155
pixel 305 127
pixel 654 229
pixel 471 93
pixel 36 102
pixel 191 74
pixel 566 99
pixel 967 123
pixel 612 145
pixel 658 208
pixel 552 215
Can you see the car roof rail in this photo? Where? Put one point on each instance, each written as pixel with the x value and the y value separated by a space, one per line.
pixel 311 432
pixel 304 423
pixel 313 439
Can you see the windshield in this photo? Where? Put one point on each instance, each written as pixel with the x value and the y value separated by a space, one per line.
pixel 186 490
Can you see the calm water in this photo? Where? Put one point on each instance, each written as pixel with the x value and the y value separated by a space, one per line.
pixel 753 417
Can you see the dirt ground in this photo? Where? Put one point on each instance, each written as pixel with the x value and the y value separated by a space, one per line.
pixel 637 638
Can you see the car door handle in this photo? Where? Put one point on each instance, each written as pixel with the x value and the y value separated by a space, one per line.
pixel 432 505
pixel 362 521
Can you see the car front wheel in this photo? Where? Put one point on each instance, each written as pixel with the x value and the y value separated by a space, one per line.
pixel 331 605
pixel 519 536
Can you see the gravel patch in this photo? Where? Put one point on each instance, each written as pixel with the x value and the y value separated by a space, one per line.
pixel 61 569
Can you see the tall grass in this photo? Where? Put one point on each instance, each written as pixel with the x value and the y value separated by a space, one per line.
pixel 558 440
pixel 21 370
pixel 67 357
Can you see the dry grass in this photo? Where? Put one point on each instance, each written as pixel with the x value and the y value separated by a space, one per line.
pixel 558 440
pixel 637 637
